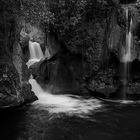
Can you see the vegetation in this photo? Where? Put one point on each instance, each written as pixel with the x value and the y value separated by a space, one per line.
pixel 63 14
pixel 79 24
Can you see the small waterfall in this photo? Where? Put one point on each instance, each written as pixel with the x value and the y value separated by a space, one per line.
pixel 35 50
pixel 71 105
pixel 36 53
pixel 126 58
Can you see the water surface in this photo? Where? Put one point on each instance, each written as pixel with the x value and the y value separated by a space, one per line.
pixel 112 121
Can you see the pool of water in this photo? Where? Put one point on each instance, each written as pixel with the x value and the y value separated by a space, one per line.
pixel 111 121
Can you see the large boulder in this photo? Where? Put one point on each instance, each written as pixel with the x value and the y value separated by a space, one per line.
pixel 63 73
pixel 11 93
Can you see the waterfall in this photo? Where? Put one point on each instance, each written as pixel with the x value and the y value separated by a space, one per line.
pixel 35 50
pixel 36 53
pixel 71 105
pixel 126 58
pixel 127 55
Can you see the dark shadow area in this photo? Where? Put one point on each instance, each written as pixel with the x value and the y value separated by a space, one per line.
pixel 127 1
pixel 135 70
pixel 11 123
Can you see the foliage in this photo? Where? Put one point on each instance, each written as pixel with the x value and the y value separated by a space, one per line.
pixel 62 14
pixel 68 13
pixel 36 11
pixel 68 19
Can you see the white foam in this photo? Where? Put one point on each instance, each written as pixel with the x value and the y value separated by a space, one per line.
pixel 68 104
pixel 32 61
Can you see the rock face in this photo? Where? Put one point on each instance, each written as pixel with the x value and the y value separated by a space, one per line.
pixel 61 73
pixel 9 83
pixel 98 40
pixel 14 74
pixel 11 91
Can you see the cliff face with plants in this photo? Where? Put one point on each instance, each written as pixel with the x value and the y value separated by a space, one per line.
pixel 84 38
pixel 14 74
pixel 87 36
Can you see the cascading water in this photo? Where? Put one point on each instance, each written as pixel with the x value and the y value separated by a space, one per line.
pixel 36 53
pixel 68 104
pixel 126 58
pixel 35 50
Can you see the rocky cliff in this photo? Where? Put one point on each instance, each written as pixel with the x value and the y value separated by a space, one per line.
pixel 14 74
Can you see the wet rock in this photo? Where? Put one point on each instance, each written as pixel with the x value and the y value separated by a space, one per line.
pixel 133 88
pixel 12 92
pixel 27 93
pixel 9 85
pixel 104 83
pixel 9 100
pixel 13 70
pixel 52 45
pixel 61 73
